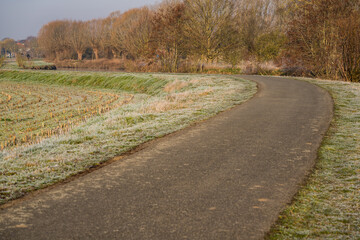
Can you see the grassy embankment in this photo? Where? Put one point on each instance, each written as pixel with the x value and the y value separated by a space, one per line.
pixel 328 207
pixel 161 104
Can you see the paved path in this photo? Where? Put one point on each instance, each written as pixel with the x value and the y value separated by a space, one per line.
pixel 225 178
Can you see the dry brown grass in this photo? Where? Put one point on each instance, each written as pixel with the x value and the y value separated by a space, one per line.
pixel 100 64
pixel 254 67
pixel 175 86
pixel 175 101
pixel 153 65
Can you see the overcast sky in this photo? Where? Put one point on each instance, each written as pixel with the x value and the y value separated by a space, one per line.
pixel 22 18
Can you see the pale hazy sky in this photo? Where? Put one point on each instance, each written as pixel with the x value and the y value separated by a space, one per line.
pixel 22 18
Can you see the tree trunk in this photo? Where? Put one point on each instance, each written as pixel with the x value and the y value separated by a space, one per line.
pixel 79 55
pixel 57 55
pixel 114 53
pixel 175 62
pixel 96 52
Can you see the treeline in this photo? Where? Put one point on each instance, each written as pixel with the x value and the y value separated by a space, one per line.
pixel 313 37
pixel 172 34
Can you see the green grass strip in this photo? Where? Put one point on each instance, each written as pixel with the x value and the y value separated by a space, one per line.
pixel 328 207
pixel 139 83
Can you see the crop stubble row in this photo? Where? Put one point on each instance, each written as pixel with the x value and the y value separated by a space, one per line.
pixel 32 112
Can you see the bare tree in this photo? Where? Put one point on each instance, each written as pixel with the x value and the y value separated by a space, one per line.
pixel 131 33
pixel 319 33
pixel 108 42
pixel 78 38
pixel 209 27
pixel 10 46
pixel 32 46
pixel 96 34
pixel 167 36
pixel 254 18
pixel 116 32
pixel 349 41
pixel 53 39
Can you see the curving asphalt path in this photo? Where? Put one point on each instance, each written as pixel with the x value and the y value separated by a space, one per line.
pixel 225 178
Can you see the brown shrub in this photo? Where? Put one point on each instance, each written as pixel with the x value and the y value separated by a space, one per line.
pixel 101 64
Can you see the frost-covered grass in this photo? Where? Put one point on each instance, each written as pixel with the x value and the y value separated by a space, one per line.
pixel 328 207
pixel 162 104
pixel 10 64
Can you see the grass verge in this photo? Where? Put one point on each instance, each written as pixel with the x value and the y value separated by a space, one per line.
pixel 161 104
pixel 328 207
pixel 135 83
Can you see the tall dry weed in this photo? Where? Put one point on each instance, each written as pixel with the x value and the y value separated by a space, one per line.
pixel 2 61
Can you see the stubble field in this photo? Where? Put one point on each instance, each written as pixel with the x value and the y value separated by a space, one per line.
pixel 32 112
